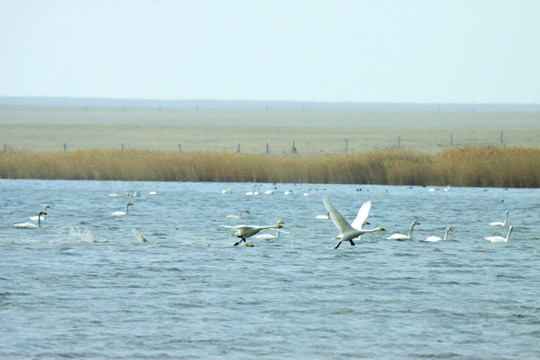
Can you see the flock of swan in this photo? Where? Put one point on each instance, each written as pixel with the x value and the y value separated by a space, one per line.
pixel 348 231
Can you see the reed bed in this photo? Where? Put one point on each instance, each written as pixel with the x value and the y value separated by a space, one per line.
pixel 476 166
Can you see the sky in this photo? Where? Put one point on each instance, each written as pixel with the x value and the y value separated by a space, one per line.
pixel 346 51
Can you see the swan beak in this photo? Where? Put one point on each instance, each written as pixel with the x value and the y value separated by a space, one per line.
pixel 382 229
pixel 367 223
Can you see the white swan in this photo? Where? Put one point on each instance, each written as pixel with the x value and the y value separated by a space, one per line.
pixel 436 238
pixel 252 192
pixel 155 191
pixel 240 215
pixel 258 191
pixel 498 223
pixel 346 231
pixel 226 191
pixel 322 217
pixel 307 192
pixel 500 238
pixel 31 225
pixel 269 192
pixel 288 192
pixel 402 237
pixel 268 237
pixel 121 213
pixel 40 217
pixel 245 231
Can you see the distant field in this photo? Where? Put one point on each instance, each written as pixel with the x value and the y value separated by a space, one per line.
pixel 256 131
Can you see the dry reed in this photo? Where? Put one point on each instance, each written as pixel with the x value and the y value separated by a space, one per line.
pixel 493 166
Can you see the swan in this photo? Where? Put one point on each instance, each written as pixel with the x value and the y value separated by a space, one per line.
pixel 322 216
pixel 269 192
pixel 42 217
pixel 402 237
pixel 307 192
pixel 268 237
pixel 498 223
pixel 500 238
pixel 121 213
pixel 226 191
pixel 252 192
pixel 346 231
pixel 258 191
pixel 436 238
pixel 288 192
pixel 31 225
pixel 245 231
pixel 155 191
pixel 239 216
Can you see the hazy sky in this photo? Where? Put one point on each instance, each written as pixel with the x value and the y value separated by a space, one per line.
pixel 362 51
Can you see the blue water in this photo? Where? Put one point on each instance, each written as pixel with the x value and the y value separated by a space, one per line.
pixel 84 285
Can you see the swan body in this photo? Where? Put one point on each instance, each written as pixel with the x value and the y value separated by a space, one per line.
pixel 500 238
pixel 436 238
pixel 268 237
pixel 402 237
pixel 121 213
pixel 346 231
pixel 288 192
pixel 240 215
pixel 245 231
pixel 226 191
pixel 498 223
pixel 40 217
pixel 155 191
pixel 32 225
pixel 307 192
pixel 269 192
pixel 252 192
pixel 322 217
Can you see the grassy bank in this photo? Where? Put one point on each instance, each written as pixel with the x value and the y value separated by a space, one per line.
pixel 461 166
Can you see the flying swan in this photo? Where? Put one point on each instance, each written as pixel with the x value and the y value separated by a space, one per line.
pixel 500 238
pixel 498 223
pixel 402 237
pixel 436 238
pixel 348 232
pixel 245 231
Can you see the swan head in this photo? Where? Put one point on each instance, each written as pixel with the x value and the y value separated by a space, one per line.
pixel 42 213
pixel 507 212
pixel 511 228
pixel 415 222
pixel 129 204
pixel 382 229
pixel 367 223
pixel 449 229
pixel 279 224
pixel 245 211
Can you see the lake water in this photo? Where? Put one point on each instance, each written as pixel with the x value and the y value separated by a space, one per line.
pixel 85 286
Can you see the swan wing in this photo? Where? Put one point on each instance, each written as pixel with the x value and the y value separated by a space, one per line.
pixel 363 213
pixel 336 217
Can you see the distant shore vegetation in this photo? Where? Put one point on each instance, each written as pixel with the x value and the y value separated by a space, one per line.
pixel 473 166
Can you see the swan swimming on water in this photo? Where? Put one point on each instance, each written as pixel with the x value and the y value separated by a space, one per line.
pixel 268 237
pixel 498 223
pixel 348 232
pixel 245 231
pixel 121 213
pixel 240 215
pixel 436 238
pixel 42 217
pixel 500 238
pixel 31 225
pixel 402 237
pixel 155 191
